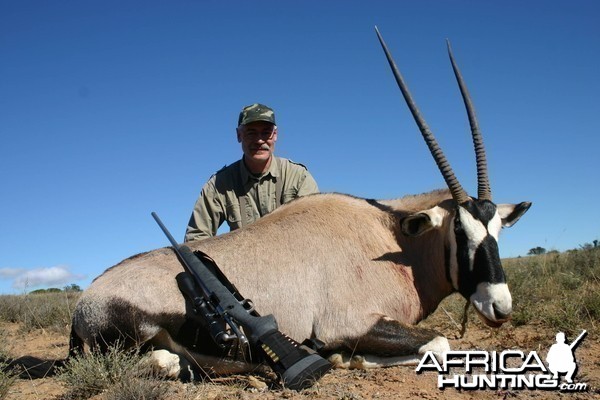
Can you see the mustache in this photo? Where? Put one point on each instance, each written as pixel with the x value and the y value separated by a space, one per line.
pixel 263 146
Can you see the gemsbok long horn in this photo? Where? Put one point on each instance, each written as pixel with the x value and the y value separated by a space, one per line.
pixel 458 193
pixel 483 184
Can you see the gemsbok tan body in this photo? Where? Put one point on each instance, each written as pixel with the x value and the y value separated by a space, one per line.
pixel 356 274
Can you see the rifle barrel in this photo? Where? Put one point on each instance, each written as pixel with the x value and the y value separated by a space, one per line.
pixel 165 231
pixel 576 341
pixel 179 249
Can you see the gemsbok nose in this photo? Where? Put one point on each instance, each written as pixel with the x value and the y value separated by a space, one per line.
pixel 501 313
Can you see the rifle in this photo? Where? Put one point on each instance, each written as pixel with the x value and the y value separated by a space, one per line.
pixel 575 342
pixel 297 365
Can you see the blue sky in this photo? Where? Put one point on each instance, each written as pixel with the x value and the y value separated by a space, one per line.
pixel 112 109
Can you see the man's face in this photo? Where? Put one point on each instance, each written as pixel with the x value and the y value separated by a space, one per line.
pixel 258 140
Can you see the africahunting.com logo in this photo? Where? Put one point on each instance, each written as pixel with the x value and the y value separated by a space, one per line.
pixel 509 369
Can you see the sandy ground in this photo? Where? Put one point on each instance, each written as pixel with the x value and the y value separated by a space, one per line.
pixel 387 383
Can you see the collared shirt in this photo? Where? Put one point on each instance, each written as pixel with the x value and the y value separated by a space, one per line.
pixel 237 196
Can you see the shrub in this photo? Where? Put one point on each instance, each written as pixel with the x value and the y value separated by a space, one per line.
pixel 120 373
pixel 39 311
pixel 136 388
pixel 7 377
pixel 559 291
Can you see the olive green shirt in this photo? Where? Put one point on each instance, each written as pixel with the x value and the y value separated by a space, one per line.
pixel 235 195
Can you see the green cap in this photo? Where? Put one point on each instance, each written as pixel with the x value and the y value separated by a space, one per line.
pixel 256 112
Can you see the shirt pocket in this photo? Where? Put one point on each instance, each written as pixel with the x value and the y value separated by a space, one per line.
pixel 233 216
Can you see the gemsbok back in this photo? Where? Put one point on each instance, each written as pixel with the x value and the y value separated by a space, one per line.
pixel 354 273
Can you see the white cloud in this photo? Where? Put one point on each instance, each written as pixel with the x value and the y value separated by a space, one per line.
pixel 9 273
pixel 40 277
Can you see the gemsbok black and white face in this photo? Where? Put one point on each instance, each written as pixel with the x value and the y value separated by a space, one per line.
pixel 475 267
pixel 472 255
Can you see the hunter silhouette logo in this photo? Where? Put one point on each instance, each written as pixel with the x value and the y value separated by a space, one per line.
pixel 509 369
pixel 561 356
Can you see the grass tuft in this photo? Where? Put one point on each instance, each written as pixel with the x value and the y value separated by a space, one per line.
pixel 39 311
pixel 560 291
pixel 7 376
pixel 138 387
pixel 120 373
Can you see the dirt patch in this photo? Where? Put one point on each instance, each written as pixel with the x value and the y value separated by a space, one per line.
pixel 388 383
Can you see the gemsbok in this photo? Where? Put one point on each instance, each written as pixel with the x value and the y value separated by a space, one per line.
pixel 354 273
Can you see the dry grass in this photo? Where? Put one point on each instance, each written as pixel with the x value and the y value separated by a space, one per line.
pixel 39 311
pixel 7 377
pixel 121 374
pixel 559 290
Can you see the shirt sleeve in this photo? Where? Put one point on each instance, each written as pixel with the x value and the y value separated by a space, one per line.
pixel 308 185
pixel 207 215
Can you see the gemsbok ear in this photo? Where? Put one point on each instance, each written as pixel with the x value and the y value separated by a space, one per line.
pixel 510 213
pixel 417 224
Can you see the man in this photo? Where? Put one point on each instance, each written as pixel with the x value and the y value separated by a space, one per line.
pixel 560 358
pixel 252 187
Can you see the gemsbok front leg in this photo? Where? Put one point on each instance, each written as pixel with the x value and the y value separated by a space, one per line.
pixel 388 343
